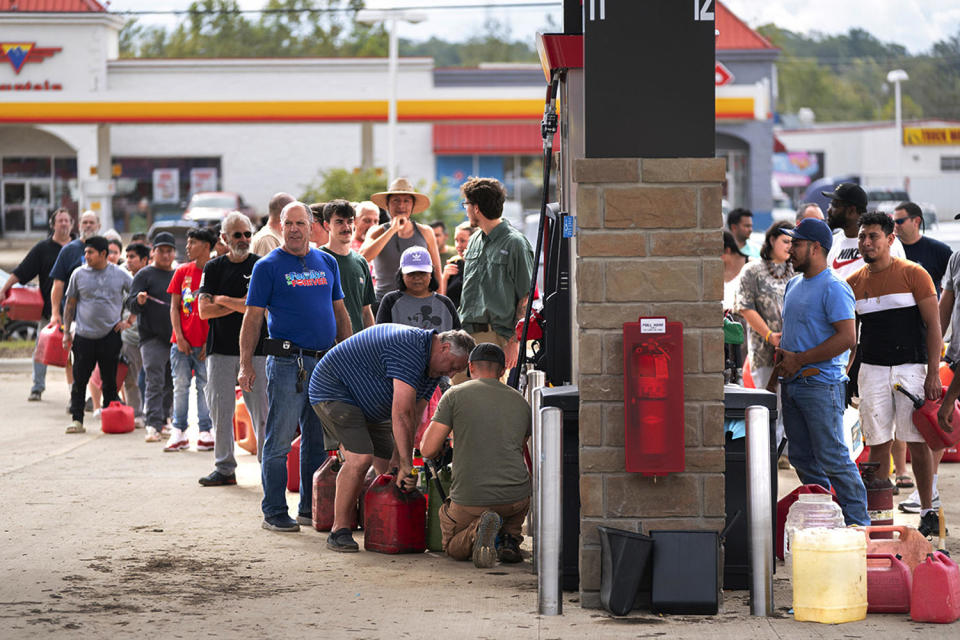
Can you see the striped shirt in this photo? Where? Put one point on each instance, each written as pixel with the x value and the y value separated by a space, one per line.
pixel 361 369
pixel 891 329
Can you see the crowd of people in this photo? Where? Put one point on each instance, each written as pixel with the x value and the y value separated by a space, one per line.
pixel 843 310
pixel 330 323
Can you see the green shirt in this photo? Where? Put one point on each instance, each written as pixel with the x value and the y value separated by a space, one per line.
pixel 356 283
pixel 496 276
pixel 490 422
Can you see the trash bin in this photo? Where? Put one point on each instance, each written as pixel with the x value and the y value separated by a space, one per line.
pixel 624 564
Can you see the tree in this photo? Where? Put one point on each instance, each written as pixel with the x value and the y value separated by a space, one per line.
pixel 355 185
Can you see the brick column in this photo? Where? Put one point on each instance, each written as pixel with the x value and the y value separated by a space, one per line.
pixel 649 244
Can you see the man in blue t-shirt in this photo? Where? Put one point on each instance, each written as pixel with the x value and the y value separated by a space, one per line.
pixel 300 287
pixel 818 332
pixel 370 392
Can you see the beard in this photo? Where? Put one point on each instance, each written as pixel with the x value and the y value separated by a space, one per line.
pixel 868 259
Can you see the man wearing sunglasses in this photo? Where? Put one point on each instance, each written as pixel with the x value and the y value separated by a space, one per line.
pixel 223 295
pixel 929 253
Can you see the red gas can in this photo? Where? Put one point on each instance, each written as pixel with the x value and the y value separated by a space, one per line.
pixel 395 521
pixel 24 304
pixel 925 420
pixel 116 418
pixel 783 508
pixel 293 466
pixel 936 590
pixel 367 481
pixel 97 381
pixel 324 492
pixel 888 584
pixel 50 349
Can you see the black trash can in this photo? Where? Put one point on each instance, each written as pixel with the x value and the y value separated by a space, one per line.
pixel 736 567
pixel 624 566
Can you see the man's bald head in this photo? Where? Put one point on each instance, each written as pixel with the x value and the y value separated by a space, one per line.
pixel 277 203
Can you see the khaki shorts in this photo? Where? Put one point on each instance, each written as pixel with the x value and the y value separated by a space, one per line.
pixel 884 411
pixel 346 424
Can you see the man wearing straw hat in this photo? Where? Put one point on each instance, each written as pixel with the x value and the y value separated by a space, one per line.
pixel 386 242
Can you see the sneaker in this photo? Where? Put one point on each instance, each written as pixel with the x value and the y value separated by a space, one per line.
pixel 306 519
pixel 88 406
pixel 165 430
pixel 75 427
pixel 484 549
pixel 217 479
pixel 205 441
pixel 138 423
pixel 912 504
pixel 280 522
pixel 178 441
pixel 34 396
pixel 929 524
pixel 151 435
pixel 342 540
pixel 510 550
pixel 96 414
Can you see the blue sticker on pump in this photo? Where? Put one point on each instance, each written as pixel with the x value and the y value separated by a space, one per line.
pixel 569 226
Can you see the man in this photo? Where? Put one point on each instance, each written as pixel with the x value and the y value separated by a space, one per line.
pixel 370 392
pixel 385 243
pixel 69 259
pixel 900 343
pixel 847 203
pixel 740 224
pixel 318 233
pixel 271 235
pixel 150 303
pixel 354 272
pixel 929 253
pixel 137 257
pixel 94 297
pixel 440 232
pixel 818 331
pixel 368 214
pixel 223 301
pixel 37 264
pixel 300 287
pixel 809 210
pixel 498 265
pixel 188 343
pixel 490 492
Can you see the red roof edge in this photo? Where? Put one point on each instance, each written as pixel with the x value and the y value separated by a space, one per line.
pixel 735 34
pixel 52 6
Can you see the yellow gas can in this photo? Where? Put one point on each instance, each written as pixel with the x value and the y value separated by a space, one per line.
pixel 829 575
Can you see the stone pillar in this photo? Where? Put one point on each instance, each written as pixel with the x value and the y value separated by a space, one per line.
pixel 649 244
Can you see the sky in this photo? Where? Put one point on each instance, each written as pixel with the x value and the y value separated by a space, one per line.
pixel 916 24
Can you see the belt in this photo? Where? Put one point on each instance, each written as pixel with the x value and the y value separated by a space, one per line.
pixel 478 327
pixel 277 347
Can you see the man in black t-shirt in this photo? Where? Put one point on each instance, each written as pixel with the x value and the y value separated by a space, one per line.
pixel 223 295
pixel 929 253
pixel 37 264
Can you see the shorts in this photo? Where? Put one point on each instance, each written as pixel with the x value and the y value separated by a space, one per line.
pixel 884 411
pixel 346 424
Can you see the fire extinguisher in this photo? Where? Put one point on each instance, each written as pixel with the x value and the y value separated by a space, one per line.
pixel 652 365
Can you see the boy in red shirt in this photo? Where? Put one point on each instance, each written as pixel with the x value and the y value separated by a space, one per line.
pixel 189 343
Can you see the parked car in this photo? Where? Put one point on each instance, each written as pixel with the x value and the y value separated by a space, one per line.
pixel 210 207
pixel 15 329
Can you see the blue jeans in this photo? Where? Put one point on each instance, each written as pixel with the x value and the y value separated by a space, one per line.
pixel 184 366
pixel 813 420
pixel 39 369
pixel 288 408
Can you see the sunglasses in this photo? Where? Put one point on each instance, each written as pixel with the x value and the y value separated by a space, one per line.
pixel 242 234
pixel 464 203
pixel 900 221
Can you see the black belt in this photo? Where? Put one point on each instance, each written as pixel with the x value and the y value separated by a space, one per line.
pixel 277 347
pixel 477 327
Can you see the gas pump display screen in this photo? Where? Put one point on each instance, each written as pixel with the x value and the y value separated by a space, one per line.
pixel 649 78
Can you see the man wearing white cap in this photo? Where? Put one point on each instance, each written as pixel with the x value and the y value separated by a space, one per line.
pixel 385 243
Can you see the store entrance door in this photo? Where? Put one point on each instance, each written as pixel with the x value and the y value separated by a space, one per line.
pixel 25 205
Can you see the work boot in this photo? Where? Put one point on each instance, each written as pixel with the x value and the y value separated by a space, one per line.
pixel 484 549
pixel 342 540
pixel 510 549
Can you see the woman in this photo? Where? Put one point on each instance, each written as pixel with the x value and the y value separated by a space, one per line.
pixel 415 302
pixel 452 282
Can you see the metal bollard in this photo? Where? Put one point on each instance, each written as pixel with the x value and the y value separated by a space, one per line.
pixel 759 510
pixel 549 534
pixel 535 381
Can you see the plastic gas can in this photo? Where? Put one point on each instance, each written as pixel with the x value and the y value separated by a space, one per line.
pixel 829 575
pixel 293 466
pixel 50 349
pixel 395 521
pixel 783 508
pixel 936 590
pixel 24 304
pixel 324 493
pixel 116 418
pixel 809 511
pixel 906 543
pixel 367 481
pixel 888 584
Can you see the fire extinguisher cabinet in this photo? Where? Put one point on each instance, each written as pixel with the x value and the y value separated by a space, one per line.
pixel 653 396
pixel 736 399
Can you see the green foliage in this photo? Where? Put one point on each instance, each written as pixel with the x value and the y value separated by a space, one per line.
pixel 355 186
pixel 444 205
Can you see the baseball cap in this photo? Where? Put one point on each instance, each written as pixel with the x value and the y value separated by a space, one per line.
pixel 850 193
pixel 813 230
pixel 488 352
pixel 164 238
pixel 415 259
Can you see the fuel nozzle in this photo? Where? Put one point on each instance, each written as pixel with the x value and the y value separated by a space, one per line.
pixel 917 402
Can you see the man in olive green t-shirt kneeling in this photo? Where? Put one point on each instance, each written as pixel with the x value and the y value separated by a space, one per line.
pixel 490 492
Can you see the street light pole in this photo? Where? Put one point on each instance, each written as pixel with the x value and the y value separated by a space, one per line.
pixel 896 77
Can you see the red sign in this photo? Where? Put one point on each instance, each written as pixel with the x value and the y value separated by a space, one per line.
pixel 721 74
pixel 20 53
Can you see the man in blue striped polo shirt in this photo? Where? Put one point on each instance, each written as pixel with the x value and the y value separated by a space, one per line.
pixel 370 392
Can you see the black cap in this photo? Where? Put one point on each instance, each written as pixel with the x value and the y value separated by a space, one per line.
pixel 488 352
pixel 850 193
pixel 164 238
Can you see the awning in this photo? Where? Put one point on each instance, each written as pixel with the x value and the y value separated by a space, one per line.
pixel 493 139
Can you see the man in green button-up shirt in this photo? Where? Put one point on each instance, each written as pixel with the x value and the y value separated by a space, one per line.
pixel 498 266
